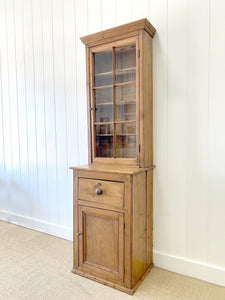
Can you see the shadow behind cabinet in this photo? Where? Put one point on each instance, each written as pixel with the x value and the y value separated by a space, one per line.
pixel 113 193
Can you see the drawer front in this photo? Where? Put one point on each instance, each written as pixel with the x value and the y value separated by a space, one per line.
pixel 107 192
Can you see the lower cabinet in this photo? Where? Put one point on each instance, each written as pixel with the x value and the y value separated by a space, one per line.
pixel 113 225
pixel 100 243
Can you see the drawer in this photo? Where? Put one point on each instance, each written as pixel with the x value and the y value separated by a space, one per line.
pixel 111 191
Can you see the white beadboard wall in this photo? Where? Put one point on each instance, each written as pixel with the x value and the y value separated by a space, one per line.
pixel 43 126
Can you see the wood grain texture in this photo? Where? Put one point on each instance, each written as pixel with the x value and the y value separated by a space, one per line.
pixel 98 225
pixel 75 220
pixel 101 243
pixel 139 225
pixel 123 169
pixel 149 221
pixel 146 98
pixel 111 284
pixel 112 192
pixel 116 32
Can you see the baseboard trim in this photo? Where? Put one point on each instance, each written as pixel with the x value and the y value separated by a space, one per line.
pixel 38 225
pixel 209 273
pixel 181 265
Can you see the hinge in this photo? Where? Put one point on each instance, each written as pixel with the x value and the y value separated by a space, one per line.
pixel 91 108
pixel 139 148
pixel 138 53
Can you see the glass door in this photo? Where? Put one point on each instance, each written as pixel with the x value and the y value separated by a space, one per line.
pixel 103 96
pixel 114 102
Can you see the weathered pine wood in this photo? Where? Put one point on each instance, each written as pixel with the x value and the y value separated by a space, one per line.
pixel 112 192
pixel 141 37
pixel 123 169
pixel 75 219
pixel 146 101
pixel 139 221
pixel 113 230
pixel 118 32
pixel 127 201
pixel 102 230
pixel 149 211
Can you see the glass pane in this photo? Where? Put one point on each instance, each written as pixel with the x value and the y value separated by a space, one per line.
pixel 125 63
pixel 126 140
pixel 104 105
pixel 103 68
pixel 104 140
pixel 126 102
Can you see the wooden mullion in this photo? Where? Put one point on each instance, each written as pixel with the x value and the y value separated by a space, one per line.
pixel 114 100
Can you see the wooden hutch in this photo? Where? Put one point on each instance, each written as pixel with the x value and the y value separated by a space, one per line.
pixel 113 193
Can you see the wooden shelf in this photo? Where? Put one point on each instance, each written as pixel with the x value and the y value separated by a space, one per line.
pixel 116 122
pixel 117 72
pixel 118 103
pixel 126 134
pixel 105 134
pixel 108 103
pixel 125 71
pixel 112 85
pixel 124 83
pixel 125 122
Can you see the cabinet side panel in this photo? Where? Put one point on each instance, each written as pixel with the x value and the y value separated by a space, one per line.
pixel 128 232
pixel 75 220
pixel 149 216
pixel 146 101
pixel 139 255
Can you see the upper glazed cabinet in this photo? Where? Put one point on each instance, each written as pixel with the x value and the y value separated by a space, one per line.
pixel 119 90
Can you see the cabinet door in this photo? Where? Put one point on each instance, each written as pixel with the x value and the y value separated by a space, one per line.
pixel 101 237
pixel 114 102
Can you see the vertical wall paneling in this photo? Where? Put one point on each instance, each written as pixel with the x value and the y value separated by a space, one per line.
pixel 2 137
pixel 60 109
pixel 33 198
pixel 2 150
pixel 49 96
pixel 123 11
pixel 13 91
pixel 70 77
pixel 43 119
pixel 197 116
pixel 94 19
pixel 36 13
pixel 12 105
pixel 22 106
pixel 159 17
pixel 216 143
pixel 177 129
pixel 139 9
pixel 81 29
pixel 108 14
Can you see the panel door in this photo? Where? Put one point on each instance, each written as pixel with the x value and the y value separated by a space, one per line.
pixel 101 239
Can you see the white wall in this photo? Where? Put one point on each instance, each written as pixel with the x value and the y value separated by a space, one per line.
pixel 43 127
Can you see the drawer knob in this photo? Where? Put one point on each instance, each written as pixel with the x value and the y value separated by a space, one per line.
pixel 98 191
